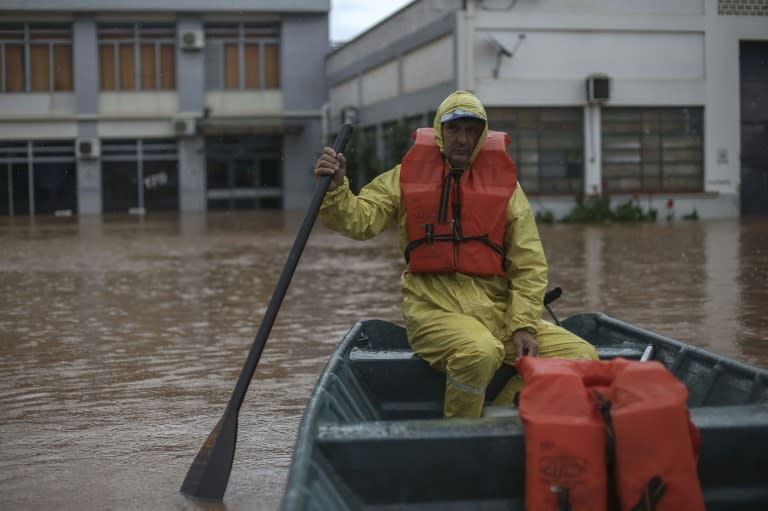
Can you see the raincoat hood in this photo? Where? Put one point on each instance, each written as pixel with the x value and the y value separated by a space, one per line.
pixel 467 105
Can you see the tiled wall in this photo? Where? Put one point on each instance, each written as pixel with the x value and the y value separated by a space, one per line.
pixel 743 7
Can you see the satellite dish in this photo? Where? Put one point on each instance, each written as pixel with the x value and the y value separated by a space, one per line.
pixel 499 46
pixel 503 50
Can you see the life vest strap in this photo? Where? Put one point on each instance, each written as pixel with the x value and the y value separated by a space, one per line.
pixel 455 237
pixel 653 492
pixel 445 194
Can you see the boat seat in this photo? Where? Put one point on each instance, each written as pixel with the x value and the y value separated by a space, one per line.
pixel 405 386
pixel 404 463
pixel 397 464
pixel 500 411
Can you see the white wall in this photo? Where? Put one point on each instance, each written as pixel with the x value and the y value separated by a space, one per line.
pixel 429 65
pixel 657 53
pixel 722 95
pixel 380 83
pixel 343 95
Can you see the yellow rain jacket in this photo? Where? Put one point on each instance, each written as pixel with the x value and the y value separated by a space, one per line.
pixel 502 305
pixel 463 324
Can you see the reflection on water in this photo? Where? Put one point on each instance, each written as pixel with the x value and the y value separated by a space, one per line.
pixel 121 338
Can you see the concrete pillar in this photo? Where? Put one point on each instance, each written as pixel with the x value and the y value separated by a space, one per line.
pixel 192 186
pixel 190 85
pixel 85 49
pixel 592 143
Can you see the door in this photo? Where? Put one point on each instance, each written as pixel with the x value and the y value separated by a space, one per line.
pixel 754 127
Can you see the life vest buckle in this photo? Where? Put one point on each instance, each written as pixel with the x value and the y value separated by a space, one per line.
pixel 429 230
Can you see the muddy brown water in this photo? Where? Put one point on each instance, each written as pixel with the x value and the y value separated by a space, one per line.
pixel 121 338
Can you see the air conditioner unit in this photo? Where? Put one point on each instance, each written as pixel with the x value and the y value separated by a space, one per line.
pixel 598 88
pixel 87 148
pixel 191 40
pixel 184 127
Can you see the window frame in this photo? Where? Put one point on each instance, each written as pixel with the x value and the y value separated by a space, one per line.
pixel 29 35
pixel 654 141
pixel 141 153
pixel 26 155
pixel 137 36
pixel 516 122
pixel 221 35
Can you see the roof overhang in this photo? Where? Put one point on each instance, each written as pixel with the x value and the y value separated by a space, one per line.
pixel 201 6
pixel 259 125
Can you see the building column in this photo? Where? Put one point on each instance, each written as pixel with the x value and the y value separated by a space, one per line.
pixel 190 85
pixel 593 172
pixel 85 47
pixel 192 183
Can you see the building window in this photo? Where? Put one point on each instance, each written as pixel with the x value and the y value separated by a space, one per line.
pixel 547 146
pixel 653 149
pixel 242 56
pixel 137 56
pixel 140 175
pixel 38 177
pixel 35 58
pixel 244 172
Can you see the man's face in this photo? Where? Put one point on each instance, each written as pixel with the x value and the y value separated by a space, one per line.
pixel 459 139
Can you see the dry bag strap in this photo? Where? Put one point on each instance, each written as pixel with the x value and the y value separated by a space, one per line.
pixel 563 498
pixel 653 492
pixel 604 406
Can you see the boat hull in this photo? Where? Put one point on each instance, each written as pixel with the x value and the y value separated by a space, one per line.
pixel 372 436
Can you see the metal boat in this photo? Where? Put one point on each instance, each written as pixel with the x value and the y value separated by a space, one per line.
pixel 372 436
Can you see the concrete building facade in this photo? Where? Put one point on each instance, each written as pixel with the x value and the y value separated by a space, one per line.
pixel 153 105
pixel 658 101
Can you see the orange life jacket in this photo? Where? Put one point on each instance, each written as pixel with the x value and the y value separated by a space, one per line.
pixel 456 219
pixel 607 436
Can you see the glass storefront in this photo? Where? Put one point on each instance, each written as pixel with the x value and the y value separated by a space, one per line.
pixel 140 175
pixel 38 178
pixel 244 172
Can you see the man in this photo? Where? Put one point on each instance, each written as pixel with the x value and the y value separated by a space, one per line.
pixel 474 286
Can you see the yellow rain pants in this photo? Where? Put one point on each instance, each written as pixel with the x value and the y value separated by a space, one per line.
pixel 469 355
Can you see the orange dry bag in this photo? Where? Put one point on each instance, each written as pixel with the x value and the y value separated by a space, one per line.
pixel 647 447
pixel 564 438
pixel 657 445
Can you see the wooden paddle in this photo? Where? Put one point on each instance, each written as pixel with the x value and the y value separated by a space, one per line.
pixel 208 476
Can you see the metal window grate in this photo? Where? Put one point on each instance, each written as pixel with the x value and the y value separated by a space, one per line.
pixel 547 146
pixel 653 149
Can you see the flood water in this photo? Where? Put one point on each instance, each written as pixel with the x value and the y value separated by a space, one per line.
pixel 121 338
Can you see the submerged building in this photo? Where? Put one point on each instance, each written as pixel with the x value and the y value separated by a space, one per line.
pixel 187 105
pixel 659 102
pixel 154 105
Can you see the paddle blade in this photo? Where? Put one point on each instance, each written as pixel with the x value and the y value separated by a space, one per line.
pixel 208 475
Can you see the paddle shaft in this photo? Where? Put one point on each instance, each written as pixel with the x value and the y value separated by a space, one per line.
pixel 285 278
pixel 208 475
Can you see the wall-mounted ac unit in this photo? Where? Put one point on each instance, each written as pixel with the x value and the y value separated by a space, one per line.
pixel 87 148
pixel 184 127
pixel 598 88
pixel 191 39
